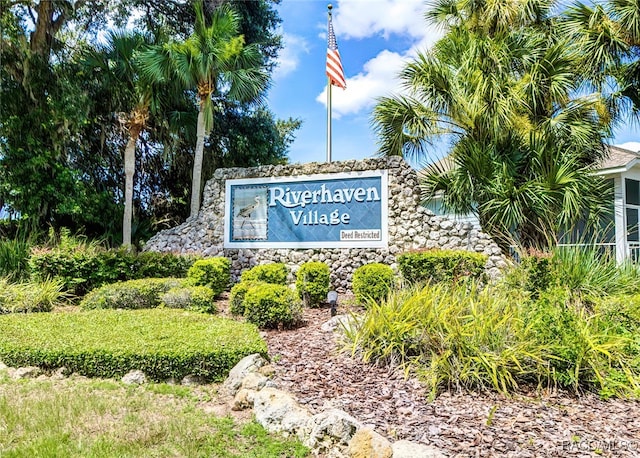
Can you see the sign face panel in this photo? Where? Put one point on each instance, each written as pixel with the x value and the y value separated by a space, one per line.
pixel 337 210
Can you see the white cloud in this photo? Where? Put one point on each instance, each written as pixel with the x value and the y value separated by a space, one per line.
pixel 378 78
pixel 365 18
pixel 359 19
pixel 289 56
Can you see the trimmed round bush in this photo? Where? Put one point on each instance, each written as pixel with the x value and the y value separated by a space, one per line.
pixel 197 298
pixel 372 282
pixel 275 273
pixel 272 306
pixel 312 283
pixel 30 296
pixel 236 296
pixel 213 272
pixel 132 294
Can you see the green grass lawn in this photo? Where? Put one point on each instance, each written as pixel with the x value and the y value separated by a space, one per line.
pixel 78 417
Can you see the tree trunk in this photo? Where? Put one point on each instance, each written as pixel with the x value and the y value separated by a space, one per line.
pixel 129 169
pixel 197 165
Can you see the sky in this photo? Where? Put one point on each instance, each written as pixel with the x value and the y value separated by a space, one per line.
pixel 375 38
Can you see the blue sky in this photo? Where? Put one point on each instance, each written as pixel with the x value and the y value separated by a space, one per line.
pixel 375 38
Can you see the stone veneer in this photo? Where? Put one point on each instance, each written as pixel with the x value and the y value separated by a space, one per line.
pixel 411 226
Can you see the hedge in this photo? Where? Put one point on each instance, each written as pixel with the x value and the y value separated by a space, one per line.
pixel 83 270
pixel 163 343
pixel 441 265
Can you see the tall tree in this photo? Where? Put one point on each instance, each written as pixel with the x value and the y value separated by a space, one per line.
pixel 503 87
pixel 215 62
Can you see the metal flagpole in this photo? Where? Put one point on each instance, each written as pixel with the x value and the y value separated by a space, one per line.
pixel 329 102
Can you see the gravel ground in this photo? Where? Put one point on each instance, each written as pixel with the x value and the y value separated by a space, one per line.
pixel 309 365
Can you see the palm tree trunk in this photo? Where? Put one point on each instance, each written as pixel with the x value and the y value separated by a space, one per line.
pixel 129 169
pixel 197 165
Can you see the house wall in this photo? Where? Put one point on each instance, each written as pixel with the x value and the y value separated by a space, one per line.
pixel 410 225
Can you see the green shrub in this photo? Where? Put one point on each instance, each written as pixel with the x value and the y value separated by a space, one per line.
pixel 441 265
pixel 275 273
pixel 272 306
pixel 236 296
pixel 82 270
pixel 372 282
pixel 163 343
pixel 312 282
pixel 197 298
pixel 213 272
pixel 132 294
pixel 30 296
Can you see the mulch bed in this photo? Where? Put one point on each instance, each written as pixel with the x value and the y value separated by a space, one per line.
pixel 309 365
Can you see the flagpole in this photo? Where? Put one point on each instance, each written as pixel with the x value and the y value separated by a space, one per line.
pixel 329 7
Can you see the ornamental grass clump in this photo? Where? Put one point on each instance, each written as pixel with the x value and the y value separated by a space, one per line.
pixel 312 283
pixel 30 296
pixel 499 337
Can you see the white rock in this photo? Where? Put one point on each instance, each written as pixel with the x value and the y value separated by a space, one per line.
pixel 329 428
pixel 27 372
pixel 254 381
pixel 245 366
pixel 193 380
pixel 408 449
pixel 135 377
pixel 277 411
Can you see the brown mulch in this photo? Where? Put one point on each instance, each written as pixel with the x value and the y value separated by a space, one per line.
pixel 309 365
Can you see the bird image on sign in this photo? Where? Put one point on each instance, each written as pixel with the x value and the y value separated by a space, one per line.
pixel 250 220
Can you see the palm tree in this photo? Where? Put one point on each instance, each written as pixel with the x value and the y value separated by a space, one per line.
pixel 216 62
pixel 501 88
pixel 132 94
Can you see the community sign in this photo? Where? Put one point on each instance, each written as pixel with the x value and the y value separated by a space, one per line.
pixel 338 210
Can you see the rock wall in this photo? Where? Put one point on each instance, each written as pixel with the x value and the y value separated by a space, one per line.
pixel 411 226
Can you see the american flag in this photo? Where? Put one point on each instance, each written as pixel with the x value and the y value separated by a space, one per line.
pixel 334 65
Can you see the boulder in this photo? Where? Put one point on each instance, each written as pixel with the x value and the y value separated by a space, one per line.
pixel 331 428
pixel 243 399
pixel 27 372
pixel 366 443
pixel 245 366
pixel 135 377
pixel 277 411
pixel 408 449
pixel 193 380
pixel 254 381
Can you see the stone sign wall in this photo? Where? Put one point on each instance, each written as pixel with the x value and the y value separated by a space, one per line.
pixel 410 225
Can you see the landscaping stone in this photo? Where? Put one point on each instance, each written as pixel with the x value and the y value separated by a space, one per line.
pixel 135 377
pixel 247 365
pixel 27 372
pixel 60 373
pixel 243 399
pixel 3 366
pixel 366 443
pixel 339 323
pixel 408 449
pixel 267 370
pixel 254 381
pixel 277 411
pixel 193 380
pixel 331 428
